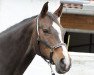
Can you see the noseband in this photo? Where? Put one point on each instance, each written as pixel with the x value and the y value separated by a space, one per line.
pixel 46 44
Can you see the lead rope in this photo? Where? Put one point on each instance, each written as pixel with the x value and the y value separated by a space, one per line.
pixel 51 61
pixel 52 72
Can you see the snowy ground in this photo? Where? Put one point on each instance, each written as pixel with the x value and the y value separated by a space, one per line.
pixel 13 11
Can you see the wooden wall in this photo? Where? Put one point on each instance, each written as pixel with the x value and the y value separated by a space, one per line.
pixel 77 21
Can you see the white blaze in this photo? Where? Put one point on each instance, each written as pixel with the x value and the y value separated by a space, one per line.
pixel 64 48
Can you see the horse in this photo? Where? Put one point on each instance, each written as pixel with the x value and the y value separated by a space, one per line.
pixel 40 34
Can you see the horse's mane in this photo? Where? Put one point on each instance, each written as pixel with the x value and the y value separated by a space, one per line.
pixel 18 25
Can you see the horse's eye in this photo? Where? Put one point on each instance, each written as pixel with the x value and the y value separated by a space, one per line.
pixel 45 30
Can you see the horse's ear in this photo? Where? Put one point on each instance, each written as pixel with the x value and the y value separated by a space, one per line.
pixel 44 10
pixel 58 12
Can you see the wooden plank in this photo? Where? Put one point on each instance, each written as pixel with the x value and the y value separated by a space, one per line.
pixel 77 21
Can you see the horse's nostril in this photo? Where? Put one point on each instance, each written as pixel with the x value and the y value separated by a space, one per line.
pixel 62 61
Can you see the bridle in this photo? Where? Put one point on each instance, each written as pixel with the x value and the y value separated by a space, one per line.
pixel 46 44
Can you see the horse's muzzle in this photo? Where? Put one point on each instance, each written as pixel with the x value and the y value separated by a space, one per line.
pixel 61 67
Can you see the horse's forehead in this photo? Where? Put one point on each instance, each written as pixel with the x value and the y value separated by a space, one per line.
pixel 46 20
pixel 50 20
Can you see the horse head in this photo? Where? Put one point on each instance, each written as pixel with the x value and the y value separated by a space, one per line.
pixel 50 38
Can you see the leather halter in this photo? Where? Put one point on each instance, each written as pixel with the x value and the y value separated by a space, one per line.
pixel 46 44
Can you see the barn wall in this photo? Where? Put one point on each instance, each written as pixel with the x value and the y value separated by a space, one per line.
pixel 77 21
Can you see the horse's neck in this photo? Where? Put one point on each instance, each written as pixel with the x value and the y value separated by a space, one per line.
pixel 13 46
